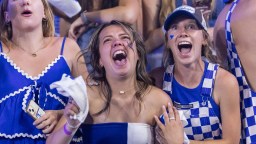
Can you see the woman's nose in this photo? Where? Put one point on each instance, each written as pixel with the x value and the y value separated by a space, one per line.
pixel 25 2
pixel 118 43
pixel 183 32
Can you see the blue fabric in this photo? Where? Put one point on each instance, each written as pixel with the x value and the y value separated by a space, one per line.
pixel 101 133
pixel 22 141
pixel 1 49
pixel 17 89
pixel 197 104
pixel 117 133
pixel 247 95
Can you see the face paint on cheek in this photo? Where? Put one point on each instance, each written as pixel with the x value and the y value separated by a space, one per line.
pixel 171 36
pixel 129 44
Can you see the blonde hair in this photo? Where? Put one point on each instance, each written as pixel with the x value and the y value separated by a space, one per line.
pixel 6 27
pixel 167 7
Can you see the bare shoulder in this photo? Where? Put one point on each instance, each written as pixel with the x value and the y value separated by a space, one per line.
pixel 226 86
pixel 225 78
pixel 72 54
pixel 158 96
pixel 71 45
pixel 68 44
pixel 71 50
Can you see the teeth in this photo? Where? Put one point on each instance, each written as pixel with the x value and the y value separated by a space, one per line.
pixel 119 52
pixel 183 42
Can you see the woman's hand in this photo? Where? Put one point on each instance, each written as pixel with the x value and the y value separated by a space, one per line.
pixel 172 129
pixel 76 28
pixel 48 121
pixel 70 112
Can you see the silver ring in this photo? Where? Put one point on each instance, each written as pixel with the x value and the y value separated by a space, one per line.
pixel 172 118
pixel 73 117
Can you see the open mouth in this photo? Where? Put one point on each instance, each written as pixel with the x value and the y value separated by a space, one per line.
pixel 119 55
pixel 184 47
pixel 26 12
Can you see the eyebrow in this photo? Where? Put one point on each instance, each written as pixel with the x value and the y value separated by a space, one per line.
pixel 122 34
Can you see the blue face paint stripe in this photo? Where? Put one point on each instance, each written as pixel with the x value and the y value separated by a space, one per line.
pixel 171 36
pixel 130 45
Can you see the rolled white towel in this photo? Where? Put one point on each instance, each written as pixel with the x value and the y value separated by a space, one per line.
pixel 75 89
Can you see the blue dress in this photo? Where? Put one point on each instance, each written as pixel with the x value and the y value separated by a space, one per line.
pixel 17 88
pixel 117 133
pixel 197 104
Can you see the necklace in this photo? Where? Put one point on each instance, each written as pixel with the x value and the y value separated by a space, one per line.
pixel 122 92
pixel 33 54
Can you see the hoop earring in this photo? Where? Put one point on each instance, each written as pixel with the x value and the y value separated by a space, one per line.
pixel 45 22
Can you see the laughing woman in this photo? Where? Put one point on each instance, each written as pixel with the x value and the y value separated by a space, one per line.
pixel 207 94
pixel 123 106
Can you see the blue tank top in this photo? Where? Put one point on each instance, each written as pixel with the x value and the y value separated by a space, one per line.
pixel 18 88
pixel 247 95
pixel 197 104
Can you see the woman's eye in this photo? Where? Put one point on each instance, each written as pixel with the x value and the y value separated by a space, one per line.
pixel 126 38
pixel 191 27
pixel 173 27
pixel 106 40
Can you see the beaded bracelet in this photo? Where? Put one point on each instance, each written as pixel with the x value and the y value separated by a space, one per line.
pixel 66 131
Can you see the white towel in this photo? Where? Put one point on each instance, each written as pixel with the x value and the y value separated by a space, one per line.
pixel 75 89
pixel 69 7
pixel 184 122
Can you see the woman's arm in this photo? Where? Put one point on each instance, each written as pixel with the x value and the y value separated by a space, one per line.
pixel 126 11
pixel 66 127
pixel 227 88
pixel 75 59
pixel 154 40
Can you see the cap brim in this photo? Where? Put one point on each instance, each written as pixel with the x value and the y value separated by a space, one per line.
pixel 170 19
